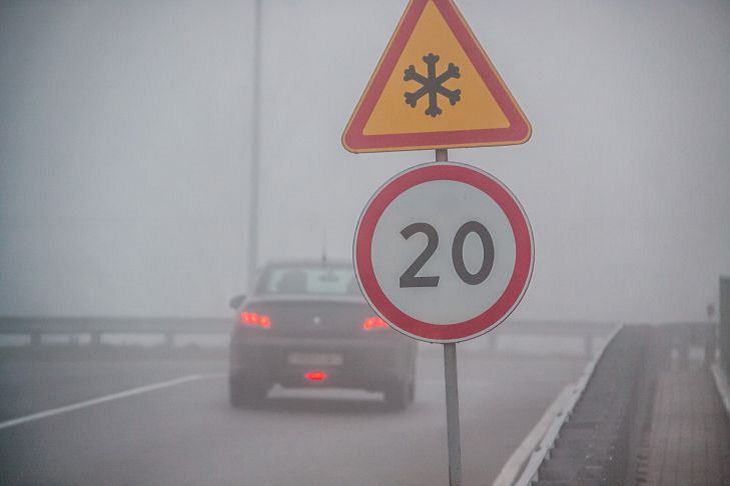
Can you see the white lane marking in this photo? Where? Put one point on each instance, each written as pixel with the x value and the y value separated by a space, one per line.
pixel 102 399
pixel 212 375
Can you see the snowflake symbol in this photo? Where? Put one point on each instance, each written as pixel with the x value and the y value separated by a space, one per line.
pixel 432 85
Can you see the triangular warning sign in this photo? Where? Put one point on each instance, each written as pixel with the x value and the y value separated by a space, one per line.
pixel 434 87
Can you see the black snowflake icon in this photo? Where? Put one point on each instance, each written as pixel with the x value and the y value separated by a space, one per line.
pixel 432 85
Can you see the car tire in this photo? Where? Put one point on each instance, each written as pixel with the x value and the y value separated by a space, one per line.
pixel 245 393
pixel 399 395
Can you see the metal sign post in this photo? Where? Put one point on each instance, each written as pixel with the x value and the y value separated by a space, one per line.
pixel 451 377
pixel 453 433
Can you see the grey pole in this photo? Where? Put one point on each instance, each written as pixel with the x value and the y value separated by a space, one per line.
pixel 453 433
pixel 452 414
pixel 253 182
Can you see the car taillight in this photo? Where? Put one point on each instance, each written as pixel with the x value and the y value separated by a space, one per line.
pixel 373 323
pixel 255 320
pixel 315 376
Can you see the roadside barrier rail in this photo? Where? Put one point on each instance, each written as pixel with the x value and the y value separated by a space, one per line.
pixel 508 337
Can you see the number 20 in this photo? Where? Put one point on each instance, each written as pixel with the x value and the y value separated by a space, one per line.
pixel 409 278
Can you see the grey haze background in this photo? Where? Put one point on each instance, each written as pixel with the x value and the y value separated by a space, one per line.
pixel 124 148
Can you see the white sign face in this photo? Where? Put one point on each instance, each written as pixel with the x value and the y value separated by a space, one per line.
pixel 443 252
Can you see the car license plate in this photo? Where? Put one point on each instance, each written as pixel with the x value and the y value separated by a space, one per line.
pixel 314 359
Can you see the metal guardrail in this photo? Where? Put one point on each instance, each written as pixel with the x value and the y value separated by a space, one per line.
pixel 112 324
pixel 96 327
pixel 721 369
pixel 597 435
pixel 36 327
pixel 592 442
pixel 543 449
pixel 724 331
pixel 722 383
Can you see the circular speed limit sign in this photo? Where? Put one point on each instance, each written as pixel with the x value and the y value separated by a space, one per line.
pixel 443 252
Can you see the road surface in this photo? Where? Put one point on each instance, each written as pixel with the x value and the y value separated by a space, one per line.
pixel 186 432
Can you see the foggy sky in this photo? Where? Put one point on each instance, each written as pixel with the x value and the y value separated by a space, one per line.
pixel 125 149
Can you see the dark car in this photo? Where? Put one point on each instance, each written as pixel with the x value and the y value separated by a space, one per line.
pixel 307 325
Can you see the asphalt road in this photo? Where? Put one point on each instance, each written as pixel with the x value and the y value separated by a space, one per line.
pixel 187 433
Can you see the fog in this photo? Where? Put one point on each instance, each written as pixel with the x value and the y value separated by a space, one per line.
pixel 125 149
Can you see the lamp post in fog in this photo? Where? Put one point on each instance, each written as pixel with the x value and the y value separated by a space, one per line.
pixel 253 186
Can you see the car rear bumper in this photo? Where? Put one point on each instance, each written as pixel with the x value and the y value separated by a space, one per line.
pixel 363 363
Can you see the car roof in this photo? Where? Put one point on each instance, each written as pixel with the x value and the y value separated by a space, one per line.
pixel 308 262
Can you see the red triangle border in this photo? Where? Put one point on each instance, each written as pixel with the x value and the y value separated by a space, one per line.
pixel 519 131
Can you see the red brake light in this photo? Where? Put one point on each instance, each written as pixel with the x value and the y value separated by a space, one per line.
pixel 373 323
pixel 254 319
pixel 315 375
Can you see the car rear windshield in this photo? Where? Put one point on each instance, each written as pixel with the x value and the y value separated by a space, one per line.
pixel 317 280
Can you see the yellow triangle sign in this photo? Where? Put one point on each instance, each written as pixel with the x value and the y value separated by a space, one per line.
pixel 434 87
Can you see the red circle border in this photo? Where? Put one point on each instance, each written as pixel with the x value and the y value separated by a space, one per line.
pixel 516 287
